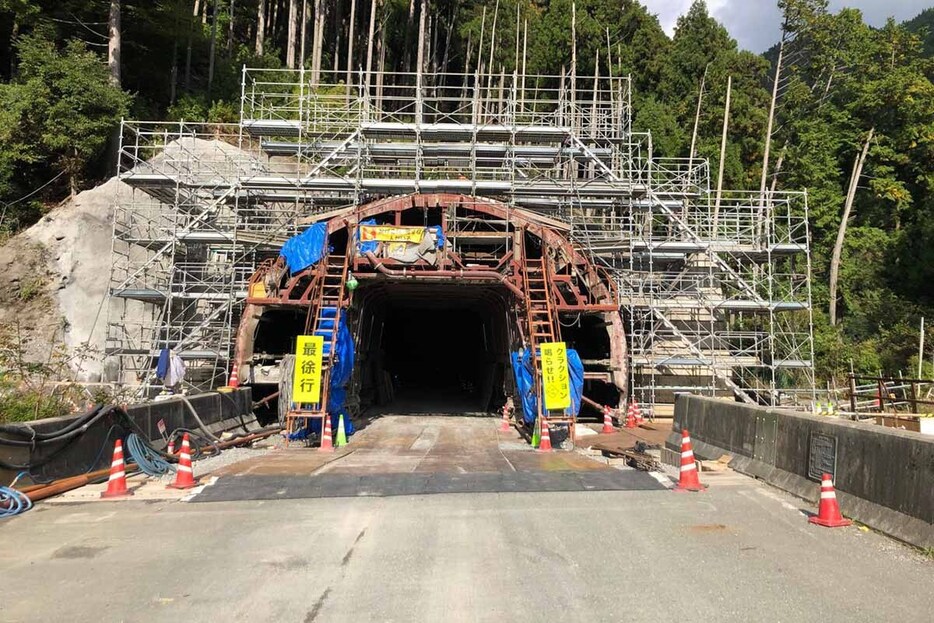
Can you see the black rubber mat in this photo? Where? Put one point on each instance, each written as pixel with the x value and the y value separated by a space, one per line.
pixel 248 487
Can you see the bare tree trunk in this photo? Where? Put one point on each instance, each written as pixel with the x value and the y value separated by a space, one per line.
pixel 447 43
pixel 409 25
pixel 466 77
pixel 726 129
pixel 768 129
pixel 374 5
pixel 420 69
pixel 173 78
pixel 381 46
pixel 338 44
pixel 274 20
pixel 291 34
pixel 191 34
pixel 260 27
pixel 841 231
pixel 113 43
pixel 230 28
pixel 700 100
pixel 303 37
pixel 350 39
pixel 318 46
pixel 778 169
pixel 213 52
pixel 489 82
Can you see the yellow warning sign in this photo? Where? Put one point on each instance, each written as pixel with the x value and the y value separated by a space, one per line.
pixel 306 382
pixel 557 383
pixel 385 233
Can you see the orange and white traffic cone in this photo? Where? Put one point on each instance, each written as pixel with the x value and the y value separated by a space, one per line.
pixel 638 413
pixel 116 484
pixel 327 444
pixel 234 380
pixel 607 421
pixel 184 478
pixel 504 426
pixel 545 444
pixel 688 480
pixel 170 449
pixel 631 416
pixel 828 511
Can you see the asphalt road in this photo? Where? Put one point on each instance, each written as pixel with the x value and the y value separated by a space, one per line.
pixel 740 552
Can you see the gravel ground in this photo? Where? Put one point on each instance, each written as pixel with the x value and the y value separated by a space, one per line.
pixel 204 467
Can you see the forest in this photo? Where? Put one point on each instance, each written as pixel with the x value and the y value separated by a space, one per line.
pixel 854 114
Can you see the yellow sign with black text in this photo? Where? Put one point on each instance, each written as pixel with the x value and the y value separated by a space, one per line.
pixel 555 378
pixel 384 233
pixel 306 382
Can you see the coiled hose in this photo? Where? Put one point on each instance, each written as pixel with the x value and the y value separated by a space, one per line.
pixel 146 457
pixel 13 502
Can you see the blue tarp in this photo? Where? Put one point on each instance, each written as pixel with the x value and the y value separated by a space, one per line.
pixel 306 248
pixel 439 234
pixel 366 247
pixel 525 384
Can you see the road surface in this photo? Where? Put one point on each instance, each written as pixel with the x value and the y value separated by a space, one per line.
pixel 741 551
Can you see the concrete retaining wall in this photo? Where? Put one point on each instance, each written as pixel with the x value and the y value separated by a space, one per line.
pixel 884 478
pixel 93 449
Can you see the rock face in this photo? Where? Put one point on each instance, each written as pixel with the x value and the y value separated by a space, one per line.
pixel 55 276
pixel 55 279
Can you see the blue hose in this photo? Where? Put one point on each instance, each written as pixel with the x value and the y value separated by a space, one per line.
pixel 148 459
pixel 13 502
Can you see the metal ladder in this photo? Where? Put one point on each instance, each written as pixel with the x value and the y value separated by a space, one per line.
pixel 542 322
pixel 324 318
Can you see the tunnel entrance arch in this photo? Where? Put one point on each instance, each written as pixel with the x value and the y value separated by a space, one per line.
pixel 450 286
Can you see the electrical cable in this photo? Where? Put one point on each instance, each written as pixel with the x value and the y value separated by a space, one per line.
pixel 13 502
pixel 195 415
pixel 196 440
pixel 146 457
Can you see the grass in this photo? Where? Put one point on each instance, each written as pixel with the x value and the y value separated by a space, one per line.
pixel 31 289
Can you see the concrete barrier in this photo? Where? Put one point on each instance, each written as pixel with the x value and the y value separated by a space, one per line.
pixel 884 478
pixel 93 448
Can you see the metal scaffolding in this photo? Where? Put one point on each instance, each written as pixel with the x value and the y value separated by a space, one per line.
pixel 716 293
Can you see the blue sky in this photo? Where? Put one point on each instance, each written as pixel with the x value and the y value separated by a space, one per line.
pixel 756 24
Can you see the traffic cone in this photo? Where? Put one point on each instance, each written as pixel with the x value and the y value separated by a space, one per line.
pixel 688 480
pixel 234 380
pixel 171 447
pixel 341 438
pixel 638 413
pixel 545 444
pixel 607 421
pixel 631 416
pixel 116 484
pixel 828 511
pixel 184 478
pixel 326 445
pixel 504 426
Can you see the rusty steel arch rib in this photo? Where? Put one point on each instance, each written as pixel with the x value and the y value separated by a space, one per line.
pixel 552 233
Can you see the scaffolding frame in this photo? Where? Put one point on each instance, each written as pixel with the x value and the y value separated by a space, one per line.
pixel 716 294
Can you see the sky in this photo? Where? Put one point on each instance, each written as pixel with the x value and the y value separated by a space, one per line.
pixel 756 24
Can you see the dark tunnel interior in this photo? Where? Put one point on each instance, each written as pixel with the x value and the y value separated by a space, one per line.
pixel 439 348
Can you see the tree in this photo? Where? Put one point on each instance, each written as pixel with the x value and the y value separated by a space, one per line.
pixel 67 107
pixel 113 42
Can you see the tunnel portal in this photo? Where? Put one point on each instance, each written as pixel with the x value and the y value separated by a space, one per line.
pixel 437 291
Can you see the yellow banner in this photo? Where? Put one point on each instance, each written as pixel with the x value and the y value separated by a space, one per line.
pixel 385 233
pixel 557 383
pixel 306 382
